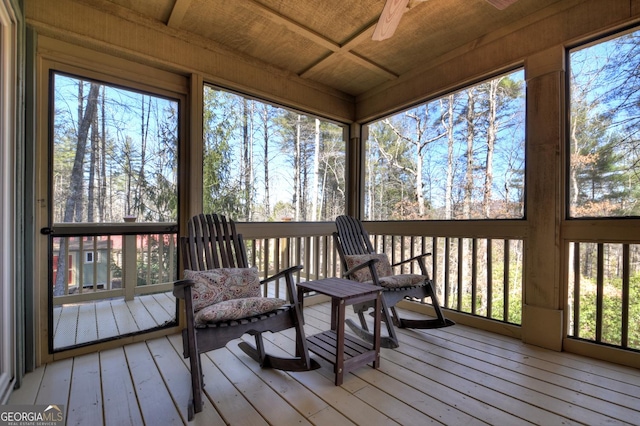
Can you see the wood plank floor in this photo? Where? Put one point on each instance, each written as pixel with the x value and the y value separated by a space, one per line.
pixel 80 323
pixel 457 375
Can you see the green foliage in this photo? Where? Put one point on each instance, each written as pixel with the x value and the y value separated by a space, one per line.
pixel 604 175
pixel 611 311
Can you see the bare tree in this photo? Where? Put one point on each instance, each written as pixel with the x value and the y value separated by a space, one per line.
pixel 73 204
pixel 447 124
pixel 470 118
pixel 492 128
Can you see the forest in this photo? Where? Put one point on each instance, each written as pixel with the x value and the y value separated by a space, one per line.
pixel 267 163
pixel 114 153
pixel 457 157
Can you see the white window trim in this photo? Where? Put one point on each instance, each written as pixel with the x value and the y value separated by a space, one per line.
pixel 8 84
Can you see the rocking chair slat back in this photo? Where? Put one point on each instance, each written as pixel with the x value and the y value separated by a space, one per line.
pixel 212 242
pixel 354 239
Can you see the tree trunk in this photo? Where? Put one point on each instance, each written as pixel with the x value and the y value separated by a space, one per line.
pixel 140 202
pixel 468 187
pixel 419 163
pixel 74 202
pixel 245 167
pixel 265 124
pixel 103 163
pixel 448 122
pixel 316 172
pixel 492 130
pixel 93 155
pixel 296 170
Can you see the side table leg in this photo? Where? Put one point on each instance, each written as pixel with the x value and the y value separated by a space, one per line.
pixel 376 329
pixel 339 367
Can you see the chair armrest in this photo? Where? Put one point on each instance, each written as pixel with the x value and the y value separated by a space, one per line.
pixel 180 286
pixel 368 264
pixel 418 257
pixel 290 285
pixel 282 273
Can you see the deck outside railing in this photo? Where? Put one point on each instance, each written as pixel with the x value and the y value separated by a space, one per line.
pixel 108 261
pixel 478 276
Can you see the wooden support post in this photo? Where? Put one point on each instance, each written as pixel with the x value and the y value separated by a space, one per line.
pixel 130 267
pixel 542 322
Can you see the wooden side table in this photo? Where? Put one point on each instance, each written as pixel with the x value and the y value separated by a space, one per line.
pixel 345 352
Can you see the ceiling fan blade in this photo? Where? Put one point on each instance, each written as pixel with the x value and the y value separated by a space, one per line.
pixel 389 19
pixel 501 4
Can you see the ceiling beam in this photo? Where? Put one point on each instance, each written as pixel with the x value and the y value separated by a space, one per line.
pixel 336 49
pixel 177 13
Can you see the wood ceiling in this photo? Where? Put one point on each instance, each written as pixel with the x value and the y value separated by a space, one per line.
pixel 329 41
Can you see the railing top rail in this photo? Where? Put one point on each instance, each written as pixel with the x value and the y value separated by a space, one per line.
pixel 502 228
pixel 284 229
pixel 95 229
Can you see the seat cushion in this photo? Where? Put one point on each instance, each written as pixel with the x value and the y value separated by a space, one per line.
pixel 237 309
pixel 382 266
pixel 218 285
pixel 402 280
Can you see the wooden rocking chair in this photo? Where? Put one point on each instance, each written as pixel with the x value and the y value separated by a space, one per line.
pixel 222 300
pixel 361 263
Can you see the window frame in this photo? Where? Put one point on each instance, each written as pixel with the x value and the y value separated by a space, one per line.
pixel 61 57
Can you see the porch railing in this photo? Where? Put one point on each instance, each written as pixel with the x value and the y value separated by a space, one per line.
pixel 604 293
pixel 480 273
pixel 477 267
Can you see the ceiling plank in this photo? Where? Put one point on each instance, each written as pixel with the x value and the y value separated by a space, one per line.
pixel 177 13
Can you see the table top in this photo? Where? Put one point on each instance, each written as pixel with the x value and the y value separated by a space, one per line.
pixel 339 287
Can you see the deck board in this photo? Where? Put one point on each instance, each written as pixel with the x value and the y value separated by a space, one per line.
pixel 54 387
pixel 106 322
pixel 87 329
pixel 120 404
pixel 231 407
pixel 81 323
pixel 65 332
pixel 156 404
pixel 296 395
pixel 85 391
pixel 456 375
pixel 265 399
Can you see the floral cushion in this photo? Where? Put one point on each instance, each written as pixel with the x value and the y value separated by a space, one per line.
pixel 402 280
pixel 218 285
pixel 236 309
pixel 382 266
